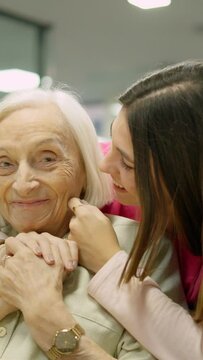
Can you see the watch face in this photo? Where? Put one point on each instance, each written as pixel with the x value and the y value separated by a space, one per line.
pixel 66 341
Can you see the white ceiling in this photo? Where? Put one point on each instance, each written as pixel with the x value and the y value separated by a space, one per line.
pixel 99 47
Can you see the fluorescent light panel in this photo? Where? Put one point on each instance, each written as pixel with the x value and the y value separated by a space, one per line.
pixel 16 79
pixel 149 4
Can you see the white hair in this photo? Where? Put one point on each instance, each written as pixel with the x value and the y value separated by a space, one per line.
pixel 98 190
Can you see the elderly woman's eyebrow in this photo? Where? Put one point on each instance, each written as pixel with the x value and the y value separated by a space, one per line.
pixel 3 149
pixel 6 150
pixel 50 141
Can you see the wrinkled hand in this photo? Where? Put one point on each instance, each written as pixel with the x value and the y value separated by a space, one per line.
pixel 52 249
pixel 26 281
pixel 42 245
pixel 94 234
pixel 5 308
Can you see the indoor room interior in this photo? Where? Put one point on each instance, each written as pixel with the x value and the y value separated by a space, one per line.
pixel 101 232
pixel 97 48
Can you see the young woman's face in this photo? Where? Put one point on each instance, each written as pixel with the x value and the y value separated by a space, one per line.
pixel 119 162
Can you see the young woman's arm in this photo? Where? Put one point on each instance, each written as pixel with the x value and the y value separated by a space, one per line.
pixel 165 328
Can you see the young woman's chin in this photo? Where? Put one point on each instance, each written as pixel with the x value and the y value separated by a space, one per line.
pixel 125 198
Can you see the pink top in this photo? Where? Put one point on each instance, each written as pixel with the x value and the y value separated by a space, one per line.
pixel 191 266
pixel 115 208
pixel 191 270
pixel 162 326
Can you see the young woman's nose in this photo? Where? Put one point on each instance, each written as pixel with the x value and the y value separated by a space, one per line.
pixel 25 180
pixel 108 163
pixel 103 166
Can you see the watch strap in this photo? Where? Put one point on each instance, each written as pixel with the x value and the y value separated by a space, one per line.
pixel 53 353
pixel 78 330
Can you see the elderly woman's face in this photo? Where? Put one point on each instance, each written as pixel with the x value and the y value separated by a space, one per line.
pixel 40 170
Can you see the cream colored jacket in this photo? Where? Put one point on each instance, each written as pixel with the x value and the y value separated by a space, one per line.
pixel 17 344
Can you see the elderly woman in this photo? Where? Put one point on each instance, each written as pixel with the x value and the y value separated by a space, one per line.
pixel 48 154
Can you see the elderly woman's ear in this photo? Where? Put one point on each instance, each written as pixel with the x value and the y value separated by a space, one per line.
pixel 82 194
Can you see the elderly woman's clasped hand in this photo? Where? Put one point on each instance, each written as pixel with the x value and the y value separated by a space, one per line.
pixel 49 248
pixel 19 284
pixel 45 245
pixel 19 281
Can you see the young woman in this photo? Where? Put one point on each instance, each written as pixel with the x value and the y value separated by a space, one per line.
pixel 156 161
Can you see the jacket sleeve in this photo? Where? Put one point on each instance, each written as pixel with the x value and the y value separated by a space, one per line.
pixel 129 349
pixel 161 325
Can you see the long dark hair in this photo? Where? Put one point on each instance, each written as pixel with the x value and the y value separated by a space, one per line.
pixel 165 118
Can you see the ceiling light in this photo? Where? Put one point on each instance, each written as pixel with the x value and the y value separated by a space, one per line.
pixel 149 4
pixel 16 79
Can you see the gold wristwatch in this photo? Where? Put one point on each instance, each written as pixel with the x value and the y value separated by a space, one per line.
pixel 65 342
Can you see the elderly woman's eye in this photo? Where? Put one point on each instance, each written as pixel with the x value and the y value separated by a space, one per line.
pixel 47 158
pixel 6 166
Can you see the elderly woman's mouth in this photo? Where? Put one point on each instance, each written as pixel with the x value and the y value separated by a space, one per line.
pixel 29 203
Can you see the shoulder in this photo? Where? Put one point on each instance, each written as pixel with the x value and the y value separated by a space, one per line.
pixel 126 230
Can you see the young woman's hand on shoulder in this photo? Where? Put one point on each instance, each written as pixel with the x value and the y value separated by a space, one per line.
pixel 94 234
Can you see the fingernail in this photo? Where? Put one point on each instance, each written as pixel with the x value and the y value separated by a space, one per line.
pixel 50 259
pixel 84 202
pixel 38 250
pixel 75 264
pixel 69 265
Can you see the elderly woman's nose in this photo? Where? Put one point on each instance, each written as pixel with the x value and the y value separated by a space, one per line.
pixel 24 181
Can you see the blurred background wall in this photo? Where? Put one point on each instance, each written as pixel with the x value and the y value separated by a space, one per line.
pixel 97 47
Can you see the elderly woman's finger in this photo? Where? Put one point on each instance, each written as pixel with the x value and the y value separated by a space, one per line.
pixel 46 248
pixel 12 246
pixel 30 240
pixel 64 253
pixel 67 253
pixel 73 248
pixel 3 260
